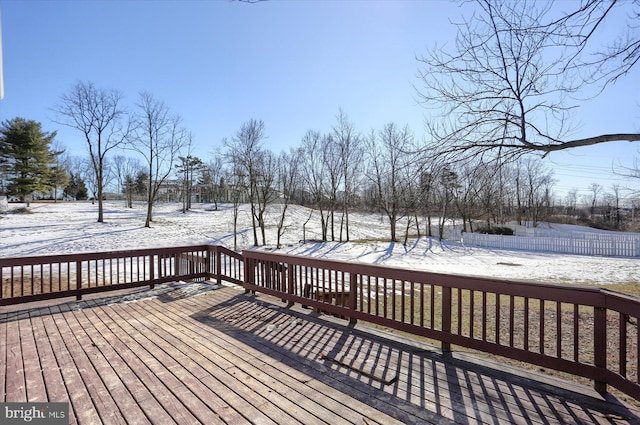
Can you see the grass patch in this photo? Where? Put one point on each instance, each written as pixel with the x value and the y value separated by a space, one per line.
pixel 629 288
pixel 20 210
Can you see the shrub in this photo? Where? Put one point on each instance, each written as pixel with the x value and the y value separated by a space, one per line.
pixel 21 210
pixel 496 230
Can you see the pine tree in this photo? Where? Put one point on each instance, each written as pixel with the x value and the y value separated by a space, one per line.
pixel 27 158
pixel 135 185
pixel 129 189
pixel 76 188
pixel 59 175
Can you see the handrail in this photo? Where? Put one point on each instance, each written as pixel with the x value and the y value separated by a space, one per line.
pixel 588 332
pixel 26 279
pixel 565 328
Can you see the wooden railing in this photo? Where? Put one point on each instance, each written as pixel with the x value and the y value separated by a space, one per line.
pixel 54 276
pixel 586 332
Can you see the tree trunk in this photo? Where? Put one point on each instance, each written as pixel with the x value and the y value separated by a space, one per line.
pixel 147 222
pixel 262 230
pixel 518 203
pixel 392 226
pixel 406 231
pixel 100 208
pixel 235 226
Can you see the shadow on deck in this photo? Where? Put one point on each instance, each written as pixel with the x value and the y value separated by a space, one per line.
pixel 192 354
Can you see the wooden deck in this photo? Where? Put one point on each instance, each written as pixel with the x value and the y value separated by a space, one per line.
pixel 194 354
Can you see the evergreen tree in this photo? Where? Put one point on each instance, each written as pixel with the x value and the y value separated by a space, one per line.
pixel 134 186
pixel 141 183
pixel 27 158
pixel 76 188
pixel 128 189
pixel 59 175
pixel 58 178
pixel 187 168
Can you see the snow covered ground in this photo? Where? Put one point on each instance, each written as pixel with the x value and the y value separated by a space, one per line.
pixel 72 227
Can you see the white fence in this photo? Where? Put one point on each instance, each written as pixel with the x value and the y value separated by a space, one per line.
pixel 598 244
pixel 451 234
pixel 538 232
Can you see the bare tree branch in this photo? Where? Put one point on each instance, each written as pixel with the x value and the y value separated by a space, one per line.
pixel 505 88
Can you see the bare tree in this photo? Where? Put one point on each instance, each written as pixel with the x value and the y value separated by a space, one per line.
pixel 244 152
pixel 237 187
pixel 158 136
pixel 287 184
pixel 536 189
pixel 596 191
pixel 492 194
pixel 314 175
pixel 571 200
pixel 504 90
pixel 333 168
pixel 126 169
pixel 447 184
pixel 265 193
pixel 100 117
pixel 388 157
pixel 473 192
pixel 213 181
pixel 87 173
pixel 426 185
pixel 349 145
pixel 616 217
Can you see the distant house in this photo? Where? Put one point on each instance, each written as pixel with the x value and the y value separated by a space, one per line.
pixel 171 190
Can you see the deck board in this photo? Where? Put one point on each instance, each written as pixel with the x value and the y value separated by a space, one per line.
pixel 55 388
pixel 81 404
pixel 34 381
pixel 15 382
pixel 225 357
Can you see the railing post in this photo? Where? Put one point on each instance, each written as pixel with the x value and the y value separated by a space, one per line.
pixel 152 273
pixel 446 316
pixel 218 264
pixel 600 345
pixel 248 272
pixel 78 280
pixel 353 296
pixel 291 285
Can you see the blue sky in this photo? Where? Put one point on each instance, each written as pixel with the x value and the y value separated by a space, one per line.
pixel 292 64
